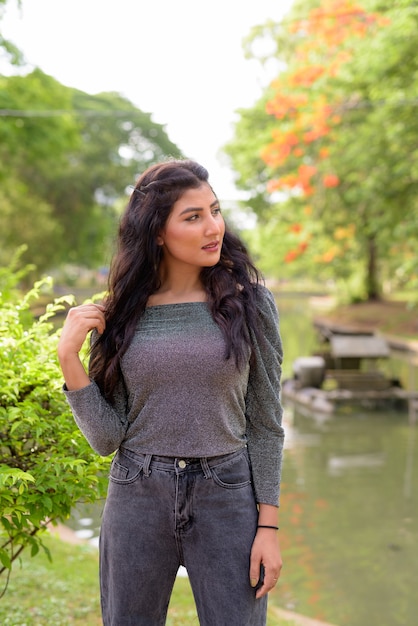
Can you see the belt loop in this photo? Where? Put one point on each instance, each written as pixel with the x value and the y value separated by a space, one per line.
pixel 147 462
pixel 205 467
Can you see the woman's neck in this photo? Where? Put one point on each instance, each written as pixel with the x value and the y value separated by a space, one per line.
pixel 182 289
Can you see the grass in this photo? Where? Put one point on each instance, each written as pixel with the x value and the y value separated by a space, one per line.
pixel 65 592
pixel 392 317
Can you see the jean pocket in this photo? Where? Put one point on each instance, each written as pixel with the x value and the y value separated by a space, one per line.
pixel 124 469
pixel 233 474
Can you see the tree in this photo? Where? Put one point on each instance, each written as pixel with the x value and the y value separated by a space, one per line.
pixel 66 158
pixel 32 148
pixel 7 48
pixel 46 465
pixel 343 134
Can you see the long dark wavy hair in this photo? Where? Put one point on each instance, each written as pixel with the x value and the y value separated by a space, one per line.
pixel 134 274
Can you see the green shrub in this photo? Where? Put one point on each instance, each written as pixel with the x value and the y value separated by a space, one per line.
pixel 46 465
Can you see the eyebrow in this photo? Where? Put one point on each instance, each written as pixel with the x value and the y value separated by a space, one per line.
pixel 193 209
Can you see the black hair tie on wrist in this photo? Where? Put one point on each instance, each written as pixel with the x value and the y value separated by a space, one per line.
pixel 272 527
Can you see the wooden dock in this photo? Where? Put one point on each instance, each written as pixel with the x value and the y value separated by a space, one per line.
pixel 328 401
pixel 346 371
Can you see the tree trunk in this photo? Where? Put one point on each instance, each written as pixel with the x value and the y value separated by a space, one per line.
pixel 372 283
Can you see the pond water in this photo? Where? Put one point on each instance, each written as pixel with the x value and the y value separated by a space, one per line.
pixel 349 505
pixel 349 515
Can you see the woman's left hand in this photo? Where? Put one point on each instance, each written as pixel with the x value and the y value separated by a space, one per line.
pixel 265 551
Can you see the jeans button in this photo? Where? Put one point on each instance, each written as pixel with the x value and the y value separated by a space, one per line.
pixel 182 464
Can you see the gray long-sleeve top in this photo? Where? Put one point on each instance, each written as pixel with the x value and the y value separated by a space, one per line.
pixel 180 397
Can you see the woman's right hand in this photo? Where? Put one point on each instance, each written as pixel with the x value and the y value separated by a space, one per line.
pixel 79 322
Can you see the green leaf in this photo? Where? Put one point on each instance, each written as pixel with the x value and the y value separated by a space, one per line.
pixel 5 559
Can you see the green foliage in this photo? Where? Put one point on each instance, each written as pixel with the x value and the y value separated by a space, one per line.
pixel 370 148
pixel 66 161
pixel 7 48
pixel 46 465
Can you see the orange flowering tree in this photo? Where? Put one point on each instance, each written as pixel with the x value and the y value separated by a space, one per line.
pixel 337 161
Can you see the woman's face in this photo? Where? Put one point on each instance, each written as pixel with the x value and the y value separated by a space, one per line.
pixel 194 230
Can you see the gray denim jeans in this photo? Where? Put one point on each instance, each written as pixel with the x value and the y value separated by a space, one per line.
pixel 163 512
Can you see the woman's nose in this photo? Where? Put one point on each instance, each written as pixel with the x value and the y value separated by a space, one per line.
pixel 214 225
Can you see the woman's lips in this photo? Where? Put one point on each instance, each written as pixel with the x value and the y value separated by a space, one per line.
pixel 212 246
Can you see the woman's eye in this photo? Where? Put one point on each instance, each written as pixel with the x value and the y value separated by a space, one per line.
pixel 217 211
pixel 192 218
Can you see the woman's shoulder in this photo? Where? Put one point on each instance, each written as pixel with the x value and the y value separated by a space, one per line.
pixel 264 297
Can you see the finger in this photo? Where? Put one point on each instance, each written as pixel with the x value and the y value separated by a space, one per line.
pixel 88 305
pixel 273 574
pixel 97 322
pixel 86 309
pixel 270 581
pixel 256 572
pixel 87 317
pixel 262 591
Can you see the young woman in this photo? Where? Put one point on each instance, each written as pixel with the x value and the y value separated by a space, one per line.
pixel 183 382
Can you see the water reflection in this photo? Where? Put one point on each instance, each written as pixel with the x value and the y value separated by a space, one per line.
pixel 349 518
pixel 349 508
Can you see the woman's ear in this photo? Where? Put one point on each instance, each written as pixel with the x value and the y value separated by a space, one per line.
pixel 160 240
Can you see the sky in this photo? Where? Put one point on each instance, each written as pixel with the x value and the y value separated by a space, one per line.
pixel 182 61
